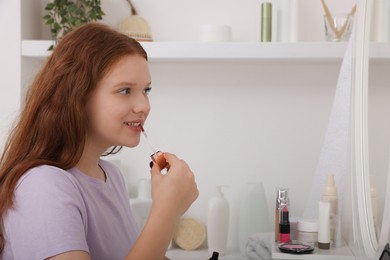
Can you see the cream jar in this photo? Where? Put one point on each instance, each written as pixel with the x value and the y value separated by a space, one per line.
pixel 307 231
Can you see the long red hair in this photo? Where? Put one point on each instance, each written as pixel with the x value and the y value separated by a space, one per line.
pixel 52 125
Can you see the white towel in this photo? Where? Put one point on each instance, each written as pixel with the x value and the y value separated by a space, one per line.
pixel 258 246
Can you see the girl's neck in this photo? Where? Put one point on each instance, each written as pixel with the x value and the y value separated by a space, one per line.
pixel 92 169
pixel 89 163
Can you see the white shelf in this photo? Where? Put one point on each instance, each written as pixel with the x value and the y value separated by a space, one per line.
pixel 232 51
pixel 179 254
pixel 340 253
pixel 244 51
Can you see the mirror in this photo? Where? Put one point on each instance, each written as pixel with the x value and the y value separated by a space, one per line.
pixel 363 225
pixel 370 135
pixel 378 125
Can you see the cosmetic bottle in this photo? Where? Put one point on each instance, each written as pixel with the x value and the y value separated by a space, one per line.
pixel 253 215
pixel 266 22
pixel 141 205
pixel 330 195
pixel 284 226
pixel 284 222
pixel 214 256
pixel 218 223
pixel 323 225
pixel 281 195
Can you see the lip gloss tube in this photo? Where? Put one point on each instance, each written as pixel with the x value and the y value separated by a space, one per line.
pixel 159 158
pixel 284 226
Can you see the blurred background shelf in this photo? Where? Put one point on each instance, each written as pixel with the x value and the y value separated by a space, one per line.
pixel 232 51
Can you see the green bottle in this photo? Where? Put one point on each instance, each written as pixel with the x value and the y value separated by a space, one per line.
pixel 266 22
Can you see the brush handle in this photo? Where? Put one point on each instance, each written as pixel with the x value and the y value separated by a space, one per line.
pixel 328 15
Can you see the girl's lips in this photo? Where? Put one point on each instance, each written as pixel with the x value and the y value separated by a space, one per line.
pixel 134 125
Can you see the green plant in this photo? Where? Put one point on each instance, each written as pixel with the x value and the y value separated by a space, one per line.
pixel 63 15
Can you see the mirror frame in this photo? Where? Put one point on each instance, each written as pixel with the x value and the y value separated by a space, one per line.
pixel 363 223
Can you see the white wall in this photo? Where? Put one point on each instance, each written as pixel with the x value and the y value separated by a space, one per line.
pixel 240 124
pixel 233 123
pixel 9 64
pixel 176 20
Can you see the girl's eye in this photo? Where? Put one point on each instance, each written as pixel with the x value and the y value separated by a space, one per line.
pixel 147 90
pixel 125 91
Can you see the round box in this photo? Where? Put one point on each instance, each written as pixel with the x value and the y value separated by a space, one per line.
pixel 307 230
pixel 215 33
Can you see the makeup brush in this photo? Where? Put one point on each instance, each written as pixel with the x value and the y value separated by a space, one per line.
pixel 329 18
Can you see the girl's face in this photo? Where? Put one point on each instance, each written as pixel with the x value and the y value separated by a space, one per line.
pixel 119 104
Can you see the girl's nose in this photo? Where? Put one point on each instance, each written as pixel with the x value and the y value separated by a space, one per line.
pixel 141 105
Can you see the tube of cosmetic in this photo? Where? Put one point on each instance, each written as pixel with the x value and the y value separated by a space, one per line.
pixel 284 226
pixel 323 225
pixel 159 158
pixel 281 198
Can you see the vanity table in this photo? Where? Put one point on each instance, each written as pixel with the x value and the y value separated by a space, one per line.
pixel 201 254
pixel 334 253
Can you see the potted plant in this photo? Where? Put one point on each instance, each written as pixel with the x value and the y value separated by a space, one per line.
pixel 63 15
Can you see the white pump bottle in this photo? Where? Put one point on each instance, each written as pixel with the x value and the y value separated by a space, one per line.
pixel 218 223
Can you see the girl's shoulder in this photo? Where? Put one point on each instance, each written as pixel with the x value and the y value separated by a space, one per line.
pixel 46 176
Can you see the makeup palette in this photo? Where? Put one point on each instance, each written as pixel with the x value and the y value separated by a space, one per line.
pixel 296 247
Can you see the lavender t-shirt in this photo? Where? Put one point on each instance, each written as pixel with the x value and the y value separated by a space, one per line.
pixel 58 211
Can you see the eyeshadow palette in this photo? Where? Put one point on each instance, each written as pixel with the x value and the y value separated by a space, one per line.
pixel 296 247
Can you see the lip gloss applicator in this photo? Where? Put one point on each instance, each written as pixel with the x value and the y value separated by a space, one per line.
pixel 157 156
pixel 147 140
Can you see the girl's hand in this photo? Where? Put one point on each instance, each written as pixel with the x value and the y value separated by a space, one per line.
pixel 175 191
